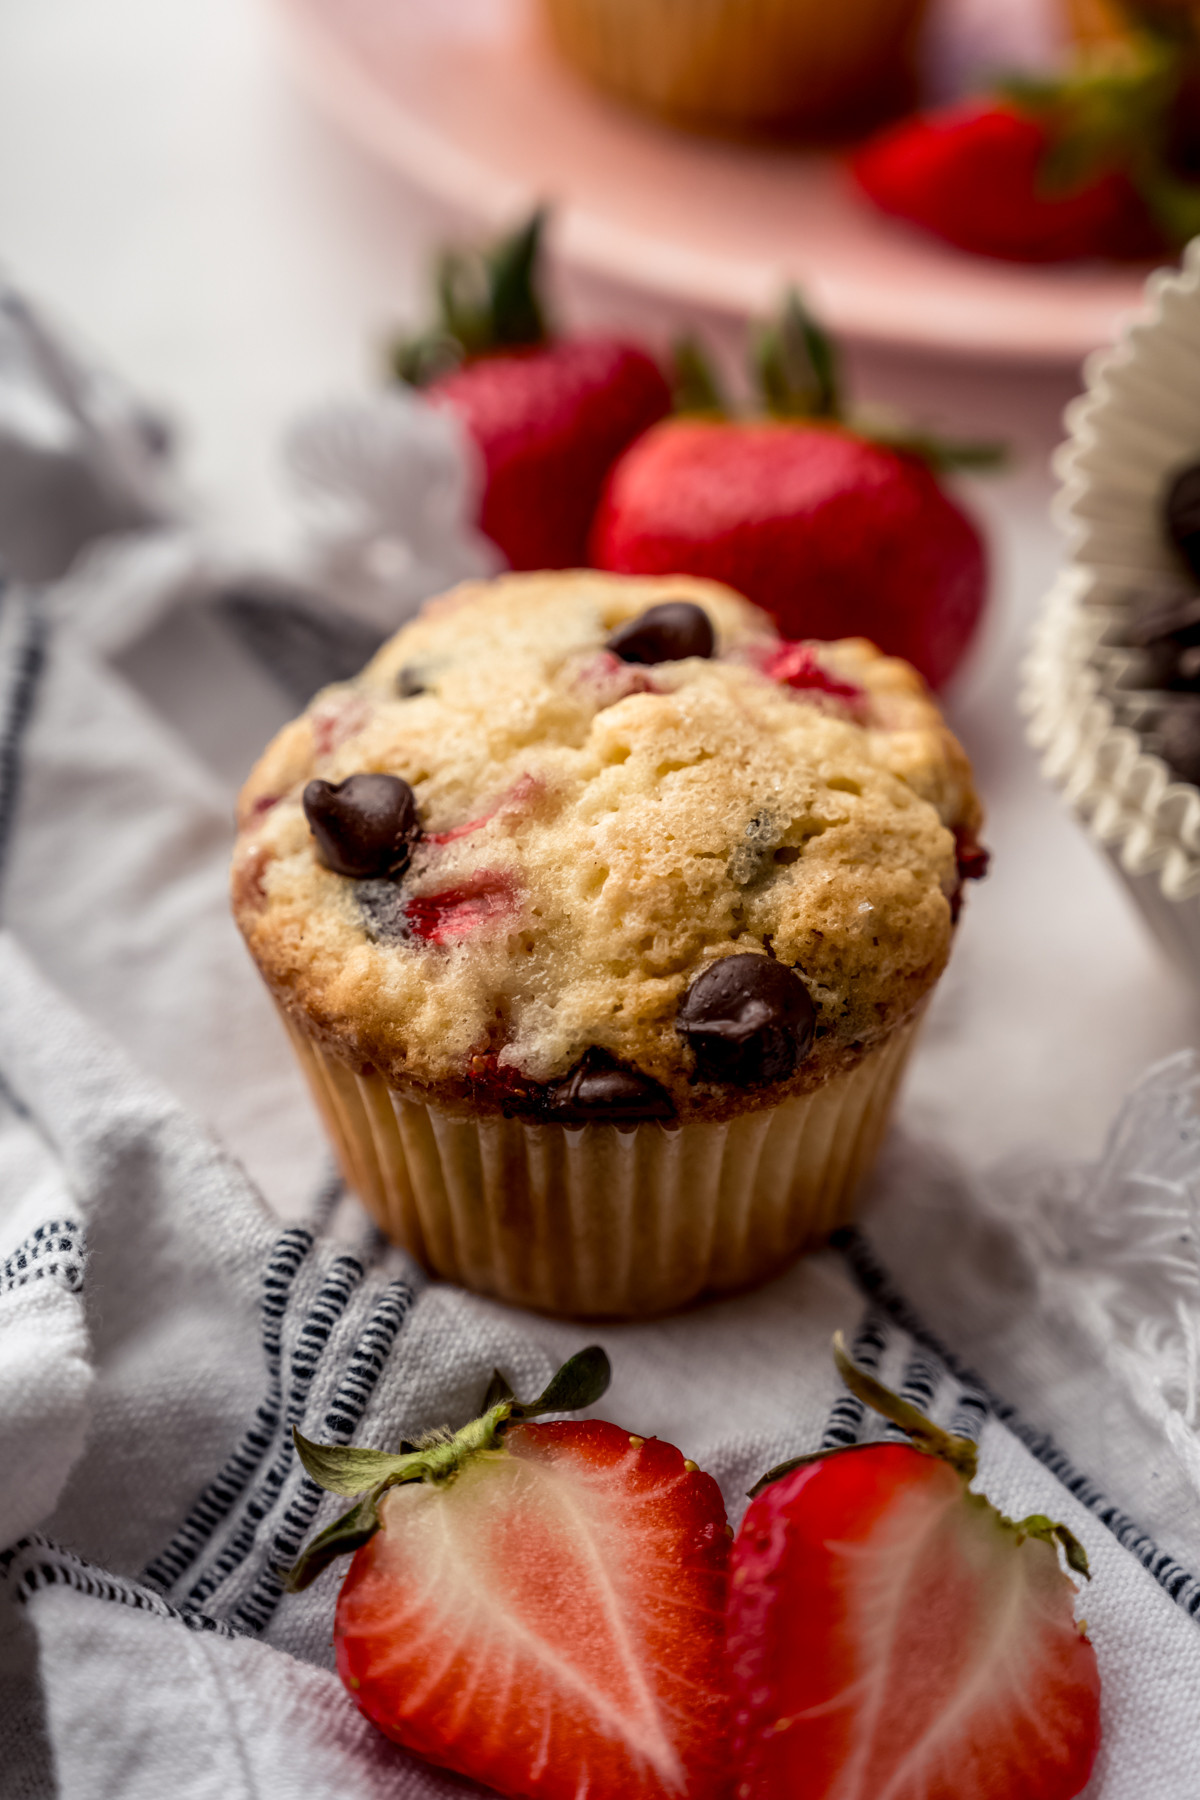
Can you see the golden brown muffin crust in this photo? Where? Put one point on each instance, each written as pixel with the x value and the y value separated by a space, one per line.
pixel 596 834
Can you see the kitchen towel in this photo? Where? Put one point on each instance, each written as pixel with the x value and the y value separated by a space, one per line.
pixel 182 1278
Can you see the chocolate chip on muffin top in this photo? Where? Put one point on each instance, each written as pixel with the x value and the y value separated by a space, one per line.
pixel 690 879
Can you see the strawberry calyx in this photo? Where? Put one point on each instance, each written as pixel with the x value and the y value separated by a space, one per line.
pixel 796 374
pixel 696 391
pixel 438 1458
pixel 488 302
pixel 1119 110
pixel 797 366
pixel 930 1440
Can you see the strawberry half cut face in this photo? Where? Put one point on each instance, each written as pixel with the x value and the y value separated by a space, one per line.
pixel 539 1607
pixel 893 1637
pixel 549 1622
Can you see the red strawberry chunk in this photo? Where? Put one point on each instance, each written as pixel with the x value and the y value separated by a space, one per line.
pixel 486 899
pixel 515 800
pixel 891 1638
pixel 972 174
pixel 797 665
pixel 550 422
pixel 549 1622
pixel 333 721
pixel 611 680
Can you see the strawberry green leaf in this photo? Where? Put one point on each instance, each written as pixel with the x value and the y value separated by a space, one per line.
pixel 497 1390
pixel 796 365
pixel 1073 1550
pixel 487 301
pixel 943 455
pixel 1037 1525
pixel 347 1534
pixel 580 1382
pixel 1119 109
pixel 512 269
pixel 694 384
pixel 342 1469
pixel 424 359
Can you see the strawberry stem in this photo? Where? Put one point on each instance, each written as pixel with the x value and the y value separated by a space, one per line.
pixel 959 1452
pixel 345 1469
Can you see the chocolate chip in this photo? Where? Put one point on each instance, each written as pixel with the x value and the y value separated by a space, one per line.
pixel 748 1021
pixel 410 683
pixel 602 1091
pixel 665 633
pixel 1178 732
pixel 1181 510
pixel 365 825
pixel 1170 636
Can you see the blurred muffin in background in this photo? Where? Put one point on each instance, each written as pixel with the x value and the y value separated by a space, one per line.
pixel 747 65
pixel 1108 21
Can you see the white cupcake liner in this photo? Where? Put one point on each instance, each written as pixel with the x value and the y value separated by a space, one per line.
pixel 1089 712
pixel 606 1221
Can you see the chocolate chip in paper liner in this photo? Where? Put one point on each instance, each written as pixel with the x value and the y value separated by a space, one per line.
pixel 748 1020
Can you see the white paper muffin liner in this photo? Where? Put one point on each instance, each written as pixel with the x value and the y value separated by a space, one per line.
pixel 600 1220
pixel 1089 712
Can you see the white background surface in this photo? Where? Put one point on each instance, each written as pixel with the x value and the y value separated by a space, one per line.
pixel 166 191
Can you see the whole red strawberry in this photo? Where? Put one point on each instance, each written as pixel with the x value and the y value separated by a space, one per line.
pixel 539 1607
pixel 973 175
pixel 550 423
pixel 892 1635
pixel 1102 160
pixel 549 415
pixel 836 532
pixel 833 535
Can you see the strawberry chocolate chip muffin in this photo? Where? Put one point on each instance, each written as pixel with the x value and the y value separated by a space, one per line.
pixel 601 919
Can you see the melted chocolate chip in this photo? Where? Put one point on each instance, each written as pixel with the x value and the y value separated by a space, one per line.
pixel 665 633
pixel 602 1091
pixel 1178 732
pixel 366 825
pixel 748 1021
pixel 1170 636
pixel 1181 510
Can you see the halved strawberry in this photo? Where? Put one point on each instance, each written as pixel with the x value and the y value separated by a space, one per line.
pixel 892 1637
pixel 540 1607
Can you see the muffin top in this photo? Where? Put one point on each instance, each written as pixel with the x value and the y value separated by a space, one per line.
pixel 594 809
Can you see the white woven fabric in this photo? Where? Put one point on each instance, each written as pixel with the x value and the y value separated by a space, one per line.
pixel 161 1326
